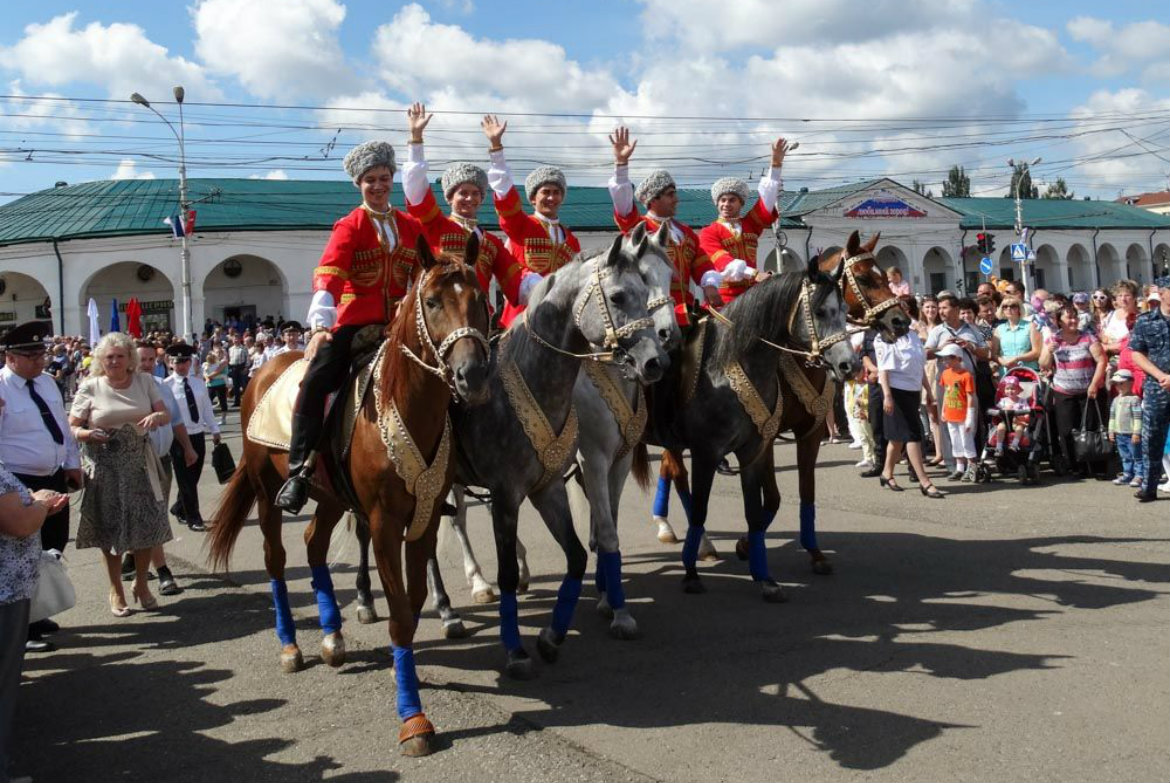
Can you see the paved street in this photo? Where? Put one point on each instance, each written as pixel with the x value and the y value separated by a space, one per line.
pixel 1003 633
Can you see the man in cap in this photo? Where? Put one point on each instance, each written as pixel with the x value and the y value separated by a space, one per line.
pixel 538 241
pixel 364 272
pixel 199 419
pixel 290 339
pixel 1149 340
pixel 731 241
pixel 464 187
pixel 659 195
pixel 36 442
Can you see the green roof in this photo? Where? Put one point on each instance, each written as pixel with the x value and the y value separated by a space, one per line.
pixel 1041 213
pixel 118 208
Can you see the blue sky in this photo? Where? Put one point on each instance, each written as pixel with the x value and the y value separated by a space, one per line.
pixel 902 89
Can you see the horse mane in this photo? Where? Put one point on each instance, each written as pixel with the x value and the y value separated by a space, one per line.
pixel 762 312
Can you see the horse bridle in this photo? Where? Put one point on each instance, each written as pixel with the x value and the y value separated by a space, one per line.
pixel 611 347
pixel 440 368
pixel 872 312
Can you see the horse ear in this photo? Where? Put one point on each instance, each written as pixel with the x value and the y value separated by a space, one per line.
pixel 662 237
pixel 814 267
pixel 853 244
pixel 615 251
pixel 426 259
pixel 839 270
pixel 471 252
pixel 872 243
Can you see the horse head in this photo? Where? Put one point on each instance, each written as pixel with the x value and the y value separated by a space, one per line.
pixel 620 320
pixel 866 288
pixel 650 254
pixel 824 329
pixel 451 317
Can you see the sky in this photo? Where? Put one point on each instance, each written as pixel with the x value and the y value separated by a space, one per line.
pixel 897 88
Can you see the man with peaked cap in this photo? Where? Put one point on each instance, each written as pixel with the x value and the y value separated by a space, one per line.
pixel 1149 340
pixel 464 187
pixel 364 272
pixel 731 241
pixel 36 442
pixel 538 241
pixel 290 339
pixel 199 419
pixel 658 193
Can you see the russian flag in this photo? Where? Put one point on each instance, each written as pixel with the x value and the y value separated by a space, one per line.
pixel 176 226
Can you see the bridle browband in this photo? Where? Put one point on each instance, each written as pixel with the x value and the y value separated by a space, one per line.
pixel 440 368
pixel 872 312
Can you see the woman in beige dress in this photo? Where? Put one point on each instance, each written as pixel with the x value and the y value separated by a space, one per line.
pixel 123 509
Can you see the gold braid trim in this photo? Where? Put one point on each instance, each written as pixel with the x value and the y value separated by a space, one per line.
pixel 427 483
pixel 815 402
pixel 553 450
pixel 631 422
pixel 767 422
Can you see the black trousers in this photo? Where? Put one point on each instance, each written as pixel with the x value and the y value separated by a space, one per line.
pixel 239 375
pixel 186 506
pixel 55 531
pixel 219 393
pixel 326 373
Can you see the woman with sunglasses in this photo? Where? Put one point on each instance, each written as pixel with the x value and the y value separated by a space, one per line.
pixel 1015 342
pixel 1101 305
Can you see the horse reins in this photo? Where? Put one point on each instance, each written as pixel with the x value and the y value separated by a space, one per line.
pixel 441 368
pixel 872 312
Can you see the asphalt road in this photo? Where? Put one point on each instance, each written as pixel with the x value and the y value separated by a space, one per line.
pixel 1003 633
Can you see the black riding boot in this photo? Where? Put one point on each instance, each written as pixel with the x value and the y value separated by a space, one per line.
pixel 306 431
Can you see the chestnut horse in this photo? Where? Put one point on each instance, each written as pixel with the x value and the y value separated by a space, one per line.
pixel 434 347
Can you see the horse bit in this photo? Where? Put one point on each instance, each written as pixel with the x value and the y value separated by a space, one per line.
pixel 872 312
pixel 441 368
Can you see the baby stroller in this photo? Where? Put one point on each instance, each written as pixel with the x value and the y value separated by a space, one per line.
pixel 1024 440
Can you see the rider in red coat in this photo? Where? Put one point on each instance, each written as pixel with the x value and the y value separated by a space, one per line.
pixel 364 272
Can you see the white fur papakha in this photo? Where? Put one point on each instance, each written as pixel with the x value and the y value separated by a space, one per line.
pixel 651 187
pixel 545 175
pixel 366 156
pixel 732 185
pixel 463 174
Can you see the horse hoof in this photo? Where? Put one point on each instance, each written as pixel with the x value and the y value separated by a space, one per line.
pixel 773 593
pixel 414 738
pixel 333 650
pixel 367 615
pixel 291 660
pixel 693 585
pixel 624 627
pixel 519 665
pixel 521 588
pixel 603 607
pixel 549 645
pixel 485 596
pixel 665 531
pixel 822 567
pixel 741 548
pixel 454 629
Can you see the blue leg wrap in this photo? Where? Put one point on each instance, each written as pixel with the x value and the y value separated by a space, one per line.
pixel 406 678
pixel 327 607
pixel 808 525
pixel 690 553
pixel 662 497
pixel 509 622
pixel 567 596
pixel 610 564
pixel 758 556
pixel 599 577
pixel 684 496
pixel 285 630
pixel 769 519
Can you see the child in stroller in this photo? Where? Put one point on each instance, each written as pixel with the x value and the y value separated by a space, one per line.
pixel 1014 407
pixel 1011 441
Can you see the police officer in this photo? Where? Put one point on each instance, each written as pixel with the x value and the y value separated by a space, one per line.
pixel 1150 342
pixel 199 419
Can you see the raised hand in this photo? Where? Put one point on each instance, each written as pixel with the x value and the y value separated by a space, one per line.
pixel 623 148
pixel 417 120
pixel 780 148
pixel 494 130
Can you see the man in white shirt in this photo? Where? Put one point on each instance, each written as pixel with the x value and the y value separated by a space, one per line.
pixel 289 340
pixel 36 443
pixel 199 419
pixel 238 361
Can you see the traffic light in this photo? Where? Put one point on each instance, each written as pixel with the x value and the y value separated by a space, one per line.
pixel 990 244
pixel 981 243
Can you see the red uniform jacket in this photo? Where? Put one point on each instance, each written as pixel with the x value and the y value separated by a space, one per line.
pixel 528 240
pixel 723 246
pixel 689 260
pixel 447 235
pixel 365 281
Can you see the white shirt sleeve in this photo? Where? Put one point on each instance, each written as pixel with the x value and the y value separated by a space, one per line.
pixel 711 278
pixel 499 175
pixel 527 283
pixel 414 174
pixel 769 188
pixel 322 311
pixel 621 190
pixel 207 411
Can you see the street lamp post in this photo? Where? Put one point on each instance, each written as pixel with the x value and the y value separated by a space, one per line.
pixel 185 269
pixel 1025 272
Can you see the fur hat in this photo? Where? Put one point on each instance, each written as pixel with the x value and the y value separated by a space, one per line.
pixel 463 173
pixel 651 187
pixel 366 156
pixel 732 185
pixel 544 175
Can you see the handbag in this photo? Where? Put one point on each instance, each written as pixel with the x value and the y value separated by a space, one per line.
pixel 55 592
pixel 1091 445
pixel 223 462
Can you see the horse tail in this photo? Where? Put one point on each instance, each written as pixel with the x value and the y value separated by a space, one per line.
pixel 234 506
pixel 672 465
pixel 640 467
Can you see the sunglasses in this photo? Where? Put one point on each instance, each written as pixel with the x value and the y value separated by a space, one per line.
pixel 1100 298
pixel 1011 307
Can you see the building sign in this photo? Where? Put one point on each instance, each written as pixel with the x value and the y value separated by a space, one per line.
pixel 162 306
pixel 884 205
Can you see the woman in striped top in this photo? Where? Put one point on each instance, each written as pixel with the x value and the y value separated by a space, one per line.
pixel 1078 364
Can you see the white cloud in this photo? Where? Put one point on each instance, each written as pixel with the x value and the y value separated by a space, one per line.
pixel 127 169
pixel 119 58
pixel 47 111
pixel 1122 49
pixel 1113 158
pixel 276 50
pixel 274 174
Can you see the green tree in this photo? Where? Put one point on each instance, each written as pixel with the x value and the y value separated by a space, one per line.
pixel 921 188
pixel 958 184
pixel 1059 190
pixel 1022 178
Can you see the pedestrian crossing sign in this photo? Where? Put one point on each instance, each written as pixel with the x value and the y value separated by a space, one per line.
pixel 1019 251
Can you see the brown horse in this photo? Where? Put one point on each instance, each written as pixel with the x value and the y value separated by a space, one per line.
pixel 870 303
pixel 434 347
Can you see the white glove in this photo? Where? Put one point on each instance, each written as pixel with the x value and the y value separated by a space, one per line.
pixel 737 271
pixel 527 283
